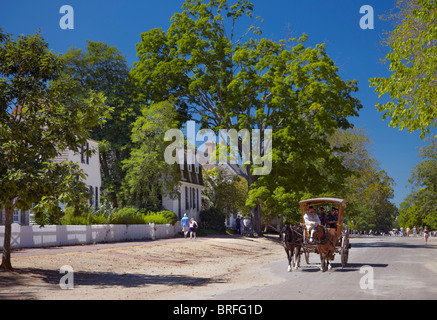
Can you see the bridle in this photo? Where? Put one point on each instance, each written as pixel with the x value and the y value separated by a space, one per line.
pixel 293 235
pixel 324 239
pixel 287 235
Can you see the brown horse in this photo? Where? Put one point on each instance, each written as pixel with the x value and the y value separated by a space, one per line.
pixel 325 240
pixel 292 239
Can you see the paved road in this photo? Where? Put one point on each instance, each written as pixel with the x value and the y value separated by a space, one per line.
pixel 403 268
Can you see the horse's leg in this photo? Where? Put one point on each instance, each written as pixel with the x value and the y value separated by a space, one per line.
pixel 323 260
pixel 295 257
pixel 289 259
pixel 299 254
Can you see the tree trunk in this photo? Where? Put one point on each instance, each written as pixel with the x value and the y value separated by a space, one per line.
pixel 107 177
pixel 256 220
pixel 6 257
pixel 255 213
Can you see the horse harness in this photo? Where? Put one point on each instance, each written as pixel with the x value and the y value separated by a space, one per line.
pixel 325 238
pixel 293 236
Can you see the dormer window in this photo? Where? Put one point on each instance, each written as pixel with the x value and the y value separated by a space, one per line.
pixel 84 158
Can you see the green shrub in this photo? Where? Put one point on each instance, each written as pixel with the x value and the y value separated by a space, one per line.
pixel 85 218
pixel 98 219
pixel 72 220
pixel 170 217
pixel 128 215
pixel 155 217
pixel 212 218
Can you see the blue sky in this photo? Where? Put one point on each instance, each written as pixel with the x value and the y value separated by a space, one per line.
pixel 355 51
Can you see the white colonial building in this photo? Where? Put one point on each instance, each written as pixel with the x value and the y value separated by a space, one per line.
pixel 91 167
pixel 189 193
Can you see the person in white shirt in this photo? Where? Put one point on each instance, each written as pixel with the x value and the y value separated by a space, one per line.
pixel 311 218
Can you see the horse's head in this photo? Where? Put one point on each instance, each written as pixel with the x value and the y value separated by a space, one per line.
pixel 286 234
pixel 319 231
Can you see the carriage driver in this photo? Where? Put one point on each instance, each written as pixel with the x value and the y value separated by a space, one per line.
pixel 311 218
pixel 332 218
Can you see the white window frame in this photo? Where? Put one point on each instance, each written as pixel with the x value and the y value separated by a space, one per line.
pixel 16 216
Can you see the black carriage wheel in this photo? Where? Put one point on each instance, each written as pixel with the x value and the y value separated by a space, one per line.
pixel 345 250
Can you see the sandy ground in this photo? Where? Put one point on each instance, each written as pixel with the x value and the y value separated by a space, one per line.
pixel 166 269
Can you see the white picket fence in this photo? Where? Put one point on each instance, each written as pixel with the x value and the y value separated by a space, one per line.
pixel 52 236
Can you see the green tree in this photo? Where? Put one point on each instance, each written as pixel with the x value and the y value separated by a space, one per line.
pixel 423 198
pixel 225 191
pixel 231 82
pixel 40 115
pixel 102 68
pixel 368 189
pixel 409 213
pixel 148 176
pixel 412 85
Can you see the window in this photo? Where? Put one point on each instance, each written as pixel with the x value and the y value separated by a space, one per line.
pixel 194 198
pixel 16 217
pixel 96 194
pixel 179 205
pixel 187 203
pixel 83 156
pixel 92 194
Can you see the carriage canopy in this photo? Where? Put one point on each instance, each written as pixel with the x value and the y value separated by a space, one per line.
pixel 316 201
pixel 341 203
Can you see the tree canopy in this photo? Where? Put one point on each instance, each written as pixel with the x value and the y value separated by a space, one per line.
pixel 412 85
pixel 40 115
pixel 420 206
pixel 148 176
pixel 368 189
pixel 103 68
pixel 232 79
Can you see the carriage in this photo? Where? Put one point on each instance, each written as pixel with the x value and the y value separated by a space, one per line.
pixel 329 242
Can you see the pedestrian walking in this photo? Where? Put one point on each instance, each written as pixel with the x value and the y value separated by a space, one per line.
pixel 408 231
pixel 193 228
pixel 238 225
pixel 185 221
pixel 426 234
pixel 247 225
pixel 415 231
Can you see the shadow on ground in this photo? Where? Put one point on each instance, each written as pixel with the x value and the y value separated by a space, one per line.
pixel 379 242
pixel 19 283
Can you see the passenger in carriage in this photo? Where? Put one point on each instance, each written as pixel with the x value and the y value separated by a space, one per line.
pixel 332 218
pixel 311 218
pixel 322 216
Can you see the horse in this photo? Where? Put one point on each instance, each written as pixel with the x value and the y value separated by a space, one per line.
pixel 292 239
pixel 325 241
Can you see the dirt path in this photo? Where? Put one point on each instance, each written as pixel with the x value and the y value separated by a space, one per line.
pixel 165 269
